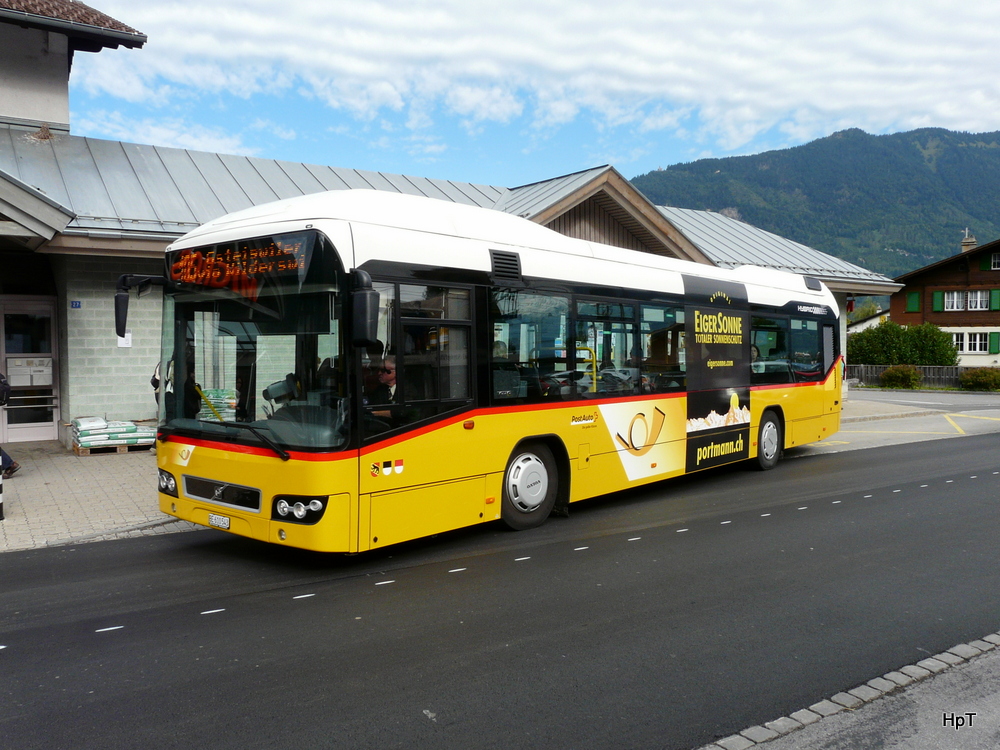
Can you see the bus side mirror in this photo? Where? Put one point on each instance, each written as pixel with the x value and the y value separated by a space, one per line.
pixel 365 317
pixel 125 282
pixel 121 313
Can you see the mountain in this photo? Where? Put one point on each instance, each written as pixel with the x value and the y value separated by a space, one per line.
pixel 889 203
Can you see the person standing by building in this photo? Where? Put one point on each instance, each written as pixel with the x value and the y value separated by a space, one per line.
pixel 9 465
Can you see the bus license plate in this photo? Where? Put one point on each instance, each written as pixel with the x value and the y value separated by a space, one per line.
pixel 219 522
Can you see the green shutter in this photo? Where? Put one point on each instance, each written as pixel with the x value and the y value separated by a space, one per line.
pixel 995 343
pixel 995 299
pixel 985 262
pixel 913 301
pixel 938 303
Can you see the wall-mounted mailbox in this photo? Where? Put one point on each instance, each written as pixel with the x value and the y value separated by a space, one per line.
pixel 30 371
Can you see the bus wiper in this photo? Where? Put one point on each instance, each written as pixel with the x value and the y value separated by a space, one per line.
pixel 285 455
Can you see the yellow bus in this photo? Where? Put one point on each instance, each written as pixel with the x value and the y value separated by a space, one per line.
pixel 352 369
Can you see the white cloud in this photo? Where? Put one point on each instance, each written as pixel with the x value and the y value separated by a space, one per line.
pixel 172 133
pixel 737 68
pixel 278 131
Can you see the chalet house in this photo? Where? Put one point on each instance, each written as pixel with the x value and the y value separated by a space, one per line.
pixel 77 212
pixel 960 295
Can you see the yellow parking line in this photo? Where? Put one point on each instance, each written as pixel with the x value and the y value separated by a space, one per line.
pixel 974 416
pixel 894 432
pixel 953 424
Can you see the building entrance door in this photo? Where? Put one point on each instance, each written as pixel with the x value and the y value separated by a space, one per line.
pixel 28 359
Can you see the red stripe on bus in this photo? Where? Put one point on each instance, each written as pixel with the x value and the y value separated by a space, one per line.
pixel 255 451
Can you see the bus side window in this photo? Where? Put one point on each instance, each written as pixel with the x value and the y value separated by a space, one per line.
pixel 807 350
pixel 769 351
pixel 663 367
pixel 533 364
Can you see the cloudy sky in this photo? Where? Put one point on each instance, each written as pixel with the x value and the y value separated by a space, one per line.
pixel 508 92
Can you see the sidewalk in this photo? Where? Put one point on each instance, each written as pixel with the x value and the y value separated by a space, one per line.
pixel 60 498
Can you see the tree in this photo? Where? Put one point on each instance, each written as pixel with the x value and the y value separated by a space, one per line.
pixel 892 344
pixel 883 344
pixel 930 346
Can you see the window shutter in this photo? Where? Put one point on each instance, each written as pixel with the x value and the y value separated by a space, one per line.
pixel 938 302
pixel 995 299
pixel 985 262
pixel 913 301
pixel 995 343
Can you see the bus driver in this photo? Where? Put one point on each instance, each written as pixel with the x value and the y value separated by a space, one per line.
pixel 385 391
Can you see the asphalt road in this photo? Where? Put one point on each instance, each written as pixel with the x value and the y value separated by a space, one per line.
pixel 665 617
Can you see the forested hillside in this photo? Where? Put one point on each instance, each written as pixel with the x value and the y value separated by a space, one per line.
pixel 890 203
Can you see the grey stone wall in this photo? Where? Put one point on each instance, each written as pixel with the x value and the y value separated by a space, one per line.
pixel 98 378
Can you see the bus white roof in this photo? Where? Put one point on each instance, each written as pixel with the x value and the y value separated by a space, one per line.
pixel 544 253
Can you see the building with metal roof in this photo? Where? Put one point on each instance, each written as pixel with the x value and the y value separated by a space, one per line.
pixel 731 243
pixel 77 212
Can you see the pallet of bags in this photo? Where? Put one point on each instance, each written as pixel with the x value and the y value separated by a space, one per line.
pixel 218 404
pixel 95 432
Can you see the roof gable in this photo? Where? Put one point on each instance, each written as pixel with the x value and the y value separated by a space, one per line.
pixel 89 29
pixel 962 257
pixel 546 201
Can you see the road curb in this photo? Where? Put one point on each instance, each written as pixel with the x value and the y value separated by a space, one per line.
pixel 877 417
pixel 111 533
pixel 850 700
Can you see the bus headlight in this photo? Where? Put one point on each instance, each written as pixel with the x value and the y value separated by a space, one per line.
pixel 308 509
pixel 167 483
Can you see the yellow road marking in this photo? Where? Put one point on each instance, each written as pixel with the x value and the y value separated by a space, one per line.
pixel 953 423
pixel 895 432
pixel 973 416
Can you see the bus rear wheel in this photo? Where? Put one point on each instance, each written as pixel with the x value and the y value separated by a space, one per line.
pixel 530 485
pixel 769 441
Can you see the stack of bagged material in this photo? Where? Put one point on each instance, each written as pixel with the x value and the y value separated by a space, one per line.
pixel 223 404
pixel 94 432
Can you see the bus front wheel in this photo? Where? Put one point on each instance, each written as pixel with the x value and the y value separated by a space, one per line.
pixel 530 485
pixel 769 441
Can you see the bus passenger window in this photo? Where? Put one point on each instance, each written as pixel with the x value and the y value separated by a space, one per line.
pixel 662 345
pixel 533 328
pixel 807 350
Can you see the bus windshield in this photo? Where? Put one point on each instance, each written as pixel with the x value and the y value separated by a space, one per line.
pixel 262 369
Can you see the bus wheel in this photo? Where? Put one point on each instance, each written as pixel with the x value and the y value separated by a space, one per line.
pixel 530 484
pixel 769 441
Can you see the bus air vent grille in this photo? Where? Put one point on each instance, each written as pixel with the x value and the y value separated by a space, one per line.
pixel 506 266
